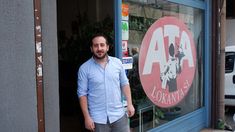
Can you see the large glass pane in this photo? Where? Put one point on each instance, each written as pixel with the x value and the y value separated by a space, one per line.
pixel 142 14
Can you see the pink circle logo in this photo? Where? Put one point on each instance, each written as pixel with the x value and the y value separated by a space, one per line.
pixel 167 62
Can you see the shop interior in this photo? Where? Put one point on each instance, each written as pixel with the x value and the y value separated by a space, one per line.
pixel 77 21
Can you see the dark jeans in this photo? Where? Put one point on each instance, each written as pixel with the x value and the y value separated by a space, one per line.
pixel 121 125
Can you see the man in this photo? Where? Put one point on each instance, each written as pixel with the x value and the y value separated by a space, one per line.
pixel 134 50
pixel 101 80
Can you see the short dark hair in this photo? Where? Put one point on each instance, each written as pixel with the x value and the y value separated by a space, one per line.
pixel 99 35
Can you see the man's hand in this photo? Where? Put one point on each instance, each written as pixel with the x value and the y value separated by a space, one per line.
pixel 130 110
pixel 89 124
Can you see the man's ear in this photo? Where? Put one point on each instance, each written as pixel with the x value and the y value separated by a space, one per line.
pixel 107 47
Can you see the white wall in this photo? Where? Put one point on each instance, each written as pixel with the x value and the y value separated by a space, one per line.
pixel 230 32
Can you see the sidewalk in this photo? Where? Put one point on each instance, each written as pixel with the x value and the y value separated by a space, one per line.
pixel 213 130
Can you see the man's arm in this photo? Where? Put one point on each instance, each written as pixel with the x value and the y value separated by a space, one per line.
pixel 89 124
pixel 130 107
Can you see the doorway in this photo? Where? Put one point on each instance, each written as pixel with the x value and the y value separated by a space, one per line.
pixel 77 21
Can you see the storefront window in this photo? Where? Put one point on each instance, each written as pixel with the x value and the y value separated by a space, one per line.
pixel 142 15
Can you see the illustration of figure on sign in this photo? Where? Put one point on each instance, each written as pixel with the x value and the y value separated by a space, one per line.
pixel 172 68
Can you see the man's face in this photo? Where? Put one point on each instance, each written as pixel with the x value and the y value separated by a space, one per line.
pixel 99 47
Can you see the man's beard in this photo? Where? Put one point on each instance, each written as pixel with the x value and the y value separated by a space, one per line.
pixel 99 57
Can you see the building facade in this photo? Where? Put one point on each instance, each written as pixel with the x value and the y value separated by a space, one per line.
pixel 38 69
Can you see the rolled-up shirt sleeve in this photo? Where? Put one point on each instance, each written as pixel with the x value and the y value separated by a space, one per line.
pixel 82 82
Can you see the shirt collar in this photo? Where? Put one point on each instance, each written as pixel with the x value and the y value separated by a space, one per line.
pixel 93 60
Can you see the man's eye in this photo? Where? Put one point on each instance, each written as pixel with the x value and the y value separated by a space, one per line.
pixel 96 45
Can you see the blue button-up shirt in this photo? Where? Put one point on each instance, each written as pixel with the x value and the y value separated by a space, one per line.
pixel 102 86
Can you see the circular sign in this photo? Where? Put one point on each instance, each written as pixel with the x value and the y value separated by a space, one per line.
pixel 167 62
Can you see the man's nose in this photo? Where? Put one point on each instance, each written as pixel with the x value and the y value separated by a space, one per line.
pixel 99 47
